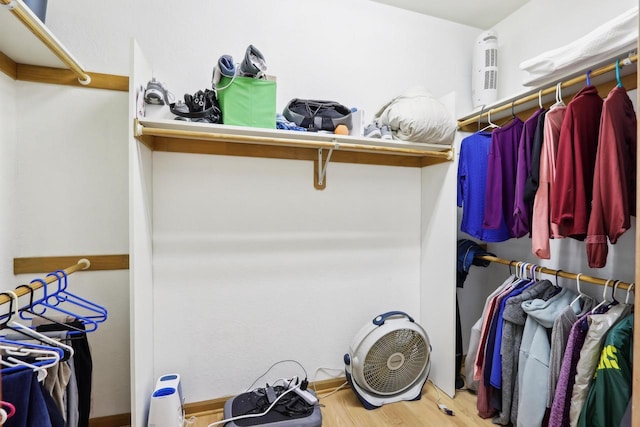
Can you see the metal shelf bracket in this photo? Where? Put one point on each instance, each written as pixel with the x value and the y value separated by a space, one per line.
pixel 322 166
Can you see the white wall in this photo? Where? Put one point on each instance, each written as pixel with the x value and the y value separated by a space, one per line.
pixel 8 142
pixel 539 26
pixel 252 265
pixel 71 199
pixel 336 257
pixel 357 52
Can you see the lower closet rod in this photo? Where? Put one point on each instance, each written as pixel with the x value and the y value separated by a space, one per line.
pixel 560 273
pixel 82 264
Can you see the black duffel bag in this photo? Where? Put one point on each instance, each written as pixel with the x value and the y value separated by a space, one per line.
pixel 315 115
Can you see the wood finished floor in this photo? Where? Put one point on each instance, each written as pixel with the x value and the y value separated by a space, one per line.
pixel 343 409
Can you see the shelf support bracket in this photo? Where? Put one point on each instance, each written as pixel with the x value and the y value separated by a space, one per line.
pixel 320 183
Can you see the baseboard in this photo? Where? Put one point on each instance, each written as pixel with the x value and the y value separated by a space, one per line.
pixel 207 406
pixel 118 420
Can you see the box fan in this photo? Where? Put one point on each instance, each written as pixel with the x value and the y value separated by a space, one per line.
pixel 388 360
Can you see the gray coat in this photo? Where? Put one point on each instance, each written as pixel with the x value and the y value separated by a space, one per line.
pixel 514 318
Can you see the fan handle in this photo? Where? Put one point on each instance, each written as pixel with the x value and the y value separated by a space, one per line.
pixel 381 318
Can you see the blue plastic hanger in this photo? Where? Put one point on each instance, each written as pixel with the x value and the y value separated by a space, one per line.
pixel 63 295
pixel 30 309
pixel 89 323
pixel 618 73
pixel 589 78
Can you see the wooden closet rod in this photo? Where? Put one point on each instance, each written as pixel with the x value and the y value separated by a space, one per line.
pixel 82 264
pixel 534 96
pixel 559 273
pixel 24 14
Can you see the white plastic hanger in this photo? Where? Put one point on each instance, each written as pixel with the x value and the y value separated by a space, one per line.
pixel 559 101
pixel 604 297
pixel 631 286
pixel 491 125
pixel 18 327
pixel 12 362
pixel 540 99
pixel 580 294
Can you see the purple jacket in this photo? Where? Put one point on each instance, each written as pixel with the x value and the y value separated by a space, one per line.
pixel 522 209
pixel 501 175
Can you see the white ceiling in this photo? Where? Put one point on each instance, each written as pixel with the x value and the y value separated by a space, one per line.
pixel 476 13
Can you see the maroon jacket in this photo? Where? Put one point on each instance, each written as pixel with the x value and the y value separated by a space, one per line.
pixel 571 199
pixel 614 182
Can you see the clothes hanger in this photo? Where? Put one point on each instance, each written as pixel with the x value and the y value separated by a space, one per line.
pixel 580 294
pixel 63 295
pixel 613 293
pixel 559 101
pixel 44 356
pixel 89 323
pixel 40 357
pixel 513 111
pixel 604 302
pixel 589 78
pixel 540 99
pixel 29 309
pixel 24 330
pixel 522 275
pixel 480 116
pixel 626 300
pixel 12 409
pixel 491 125
pixel 14 364
pixel 556 283
pixel 618 73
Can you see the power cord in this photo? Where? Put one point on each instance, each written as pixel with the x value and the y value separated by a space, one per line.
pixel 340 387
pixel 304 382
pixel 441 406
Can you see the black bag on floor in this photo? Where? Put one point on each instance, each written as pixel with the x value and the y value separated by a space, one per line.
pixel 315 115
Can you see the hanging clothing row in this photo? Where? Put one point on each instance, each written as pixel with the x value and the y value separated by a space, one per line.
pixel 567 171
pixel 45 356
pixel 544 355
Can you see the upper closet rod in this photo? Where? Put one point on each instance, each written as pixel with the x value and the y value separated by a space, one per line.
pixel 28 18
pixel 534 96
pixel 560 273
pixel 82 264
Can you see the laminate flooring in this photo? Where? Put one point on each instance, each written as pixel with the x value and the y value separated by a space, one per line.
pixel 343 409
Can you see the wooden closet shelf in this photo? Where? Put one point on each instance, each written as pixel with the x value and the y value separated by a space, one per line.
pixel 29 51
pixel 176 136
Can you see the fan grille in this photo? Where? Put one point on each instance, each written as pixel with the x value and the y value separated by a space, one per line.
pixel 395 361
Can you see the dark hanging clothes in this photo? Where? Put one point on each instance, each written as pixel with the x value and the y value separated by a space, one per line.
pixel 522 208
pixel 467 250
pixel 23 390
pixel 614 182
pixel 533 180
pixel 571 199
